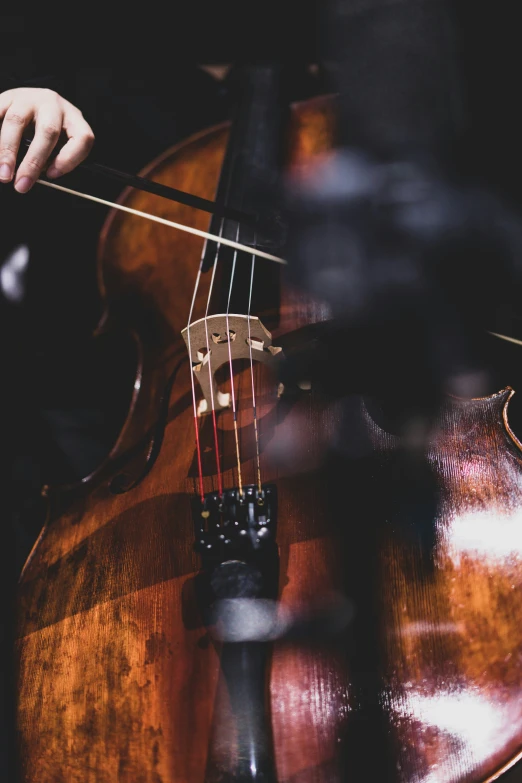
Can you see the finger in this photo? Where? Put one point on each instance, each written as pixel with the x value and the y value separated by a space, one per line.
pixel 48 125
pixel 6 99
pixel 81 139
pixel 16 117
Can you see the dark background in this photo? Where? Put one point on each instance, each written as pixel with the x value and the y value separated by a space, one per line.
pixel 138 81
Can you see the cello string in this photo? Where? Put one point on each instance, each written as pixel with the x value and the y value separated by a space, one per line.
pixel 254 409
pixel 180 226
pixel 209 354
pixel 196 425
pixel 194 406
pixel 220 241
pixel 234 410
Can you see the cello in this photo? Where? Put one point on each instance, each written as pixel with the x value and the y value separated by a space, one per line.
pixel 167 609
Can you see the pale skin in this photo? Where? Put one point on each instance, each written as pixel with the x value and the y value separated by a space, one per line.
pixel 49 115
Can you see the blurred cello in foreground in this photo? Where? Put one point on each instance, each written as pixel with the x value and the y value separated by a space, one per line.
pixel 225 600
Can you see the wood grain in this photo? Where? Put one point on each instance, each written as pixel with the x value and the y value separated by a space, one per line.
pixel 118 676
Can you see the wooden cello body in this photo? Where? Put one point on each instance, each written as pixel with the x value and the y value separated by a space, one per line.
pixel 120 673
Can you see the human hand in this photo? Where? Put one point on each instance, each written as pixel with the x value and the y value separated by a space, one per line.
pixel 51 114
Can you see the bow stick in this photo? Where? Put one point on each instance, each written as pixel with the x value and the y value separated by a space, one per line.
pixel 180 196
pixel 165 191
pixel 253 251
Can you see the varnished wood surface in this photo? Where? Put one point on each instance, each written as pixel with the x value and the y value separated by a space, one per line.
pixel 119 679
pixel 452 625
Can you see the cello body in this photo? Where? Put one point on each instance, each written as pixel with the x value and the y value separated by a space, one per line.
pixel 119 673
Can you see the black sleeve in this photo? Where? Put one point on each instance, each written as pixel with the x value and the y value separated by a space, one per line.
pixel 49 81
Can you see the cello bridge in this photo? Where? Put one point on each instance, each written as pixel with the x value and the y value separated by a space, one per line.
pixel 214 340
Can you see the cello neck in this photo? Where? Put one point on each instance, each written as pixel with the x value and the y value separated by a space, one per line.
pixel 252 161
